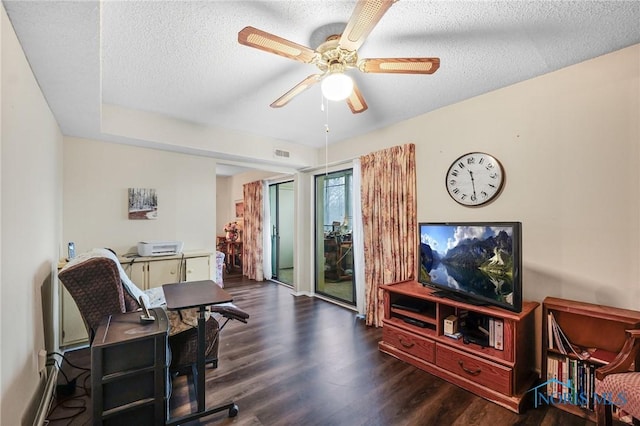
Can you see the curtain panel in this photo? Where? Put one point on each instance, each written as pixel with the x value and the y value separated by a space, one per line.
pixel 252 245
pixel 388 199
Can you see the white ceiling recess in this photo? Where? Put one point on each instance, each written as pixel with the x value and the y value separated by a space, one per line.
pixel 179 63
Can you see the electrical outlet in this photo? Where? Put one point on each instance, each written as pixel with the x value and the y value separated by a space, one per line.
pixel 42 363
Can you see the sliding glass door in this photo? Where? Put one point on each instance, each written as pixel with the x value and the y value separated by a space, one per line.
pixel 334 250
pixel 282 208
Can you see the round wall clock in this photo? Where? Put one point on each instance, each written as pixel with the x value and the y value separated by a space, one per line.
pixel 475 179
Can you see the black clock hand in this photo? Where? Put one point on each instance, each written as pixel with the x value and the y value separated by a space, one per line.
pixel 473 184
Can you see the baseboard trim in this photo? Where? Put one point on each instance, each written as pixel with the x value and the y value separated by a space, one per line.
pixel 47 396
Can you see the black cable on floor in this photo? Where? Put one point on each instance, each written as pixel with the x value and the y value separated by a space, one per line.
pixel 76 403
pixel 71 397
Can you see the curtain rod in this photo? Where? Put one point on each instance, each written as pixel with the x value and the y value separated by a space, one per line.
pixel 333 164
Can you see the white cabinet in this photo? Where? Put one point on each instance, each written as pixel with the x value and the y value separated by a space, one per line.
pixel 198 269
pixel 146 273
pixel 136 271
pixel 166 272
pixel 72 327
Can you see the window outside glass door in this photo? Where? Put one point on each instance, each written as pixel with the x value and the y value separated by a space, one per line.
pixel 334 249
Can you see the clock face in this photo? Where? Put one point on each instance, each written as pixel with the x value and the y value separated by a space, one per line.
pixel 475 179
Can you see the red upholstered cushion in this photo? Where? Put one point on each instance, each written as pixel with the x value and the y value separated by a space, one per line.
pixel 627 384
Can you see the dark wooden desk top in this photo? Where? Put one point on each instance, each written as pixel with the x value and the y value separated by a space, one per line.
pixel 119 328
pixel 192 294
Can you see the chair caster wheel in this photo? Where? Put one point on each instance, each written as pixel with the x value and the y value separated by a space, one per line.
pixel 233 411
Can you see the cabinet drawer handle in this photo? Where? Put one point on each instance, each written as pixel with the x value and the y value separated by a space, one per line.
pixel 466 370
pixel 406 345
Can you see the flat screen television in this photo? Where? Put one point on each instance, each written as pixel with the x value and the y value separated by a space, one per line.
pixel 476 262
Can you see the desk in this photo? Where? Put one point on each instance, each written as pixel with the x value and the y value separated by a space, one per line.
pixel 338 258
pixel 198 294
pixel 129 370
pixel 232 253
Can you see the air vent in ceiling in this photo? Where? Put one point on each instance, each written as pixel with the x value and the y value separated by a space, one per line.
pixel 281 153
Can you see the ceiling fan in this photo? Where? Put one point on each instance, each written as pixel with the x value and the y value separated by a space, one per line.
pixel 338 54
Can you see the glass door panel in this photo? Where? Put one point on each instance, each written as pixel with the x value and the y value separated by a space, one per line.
pixel 334 251
pixel 282 211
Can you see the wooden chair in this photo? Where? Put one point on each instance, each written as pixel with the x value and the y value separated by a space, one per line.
pixel 616 384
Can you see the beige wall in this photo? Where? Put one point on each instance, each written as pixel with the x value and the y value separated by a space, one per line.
pixel 30 201
pixel 224 201
pixel 148 128
pixel 97 176
pixel 231 190
pixel 569 144
pixel 194 204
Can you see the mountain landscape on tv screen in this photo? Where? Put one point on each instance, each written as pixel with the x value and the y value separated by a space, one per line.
pixel 482 266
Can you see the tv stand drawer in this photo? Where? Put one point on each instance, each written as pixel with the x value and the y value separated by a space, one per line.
pixel 410 343
pixel 483 372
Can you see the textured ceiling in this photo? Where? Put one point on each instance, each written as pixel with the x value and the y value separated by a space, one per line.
pixel 182 59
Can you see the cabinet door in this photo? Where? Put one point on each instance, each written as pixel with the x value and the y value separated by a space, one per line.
pixel 73 330
pixel 164 272
pixel 136 273
pixel 198 268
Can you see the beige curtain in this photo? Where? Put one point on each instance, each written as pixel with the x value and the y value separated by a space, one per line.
pixel 388 197
pixel 252 233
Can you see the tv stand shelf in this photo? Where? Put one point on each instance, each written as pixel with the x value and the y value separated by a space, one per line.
pixel 416 335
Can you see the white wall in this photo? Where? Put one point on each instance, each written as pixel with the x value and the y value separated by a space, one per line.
pixel 569 143
pixel 224 203
pixel 30 201
pixel 97 176
pixel 235 192
pixel 304 234
pixel 148 128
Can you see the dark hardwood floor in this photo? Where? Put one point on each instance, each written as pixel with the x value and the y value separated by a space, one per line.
pixel 304 361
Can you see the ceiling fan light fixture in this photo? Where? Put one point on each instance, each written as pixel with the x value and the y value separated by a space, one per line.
pixel 337 86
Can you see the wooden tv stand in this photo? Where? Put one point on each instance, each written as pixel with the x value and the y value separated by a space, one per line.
pixel 501 376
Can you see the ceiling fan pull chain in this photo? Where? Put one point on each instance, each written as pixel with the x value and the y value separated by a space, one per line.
pixel 326 142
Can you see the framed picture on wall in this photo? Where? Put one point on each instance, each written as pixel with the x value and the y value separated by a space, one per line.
pixel 143 203
pixel 239 209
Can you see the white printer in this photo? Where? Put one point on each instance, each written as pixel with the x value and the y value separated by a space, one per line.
pixel 159 248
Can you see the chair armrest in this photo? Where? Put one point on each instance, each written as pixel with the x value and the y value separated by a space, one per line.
pixel 230 311
pixel 629 353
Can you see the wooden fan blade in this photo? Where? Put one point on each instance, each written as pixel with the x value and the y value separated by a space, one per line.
pixel 400 65
pixel 365 16
pixel 297 89
pixel 268 42
pixel 356 101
